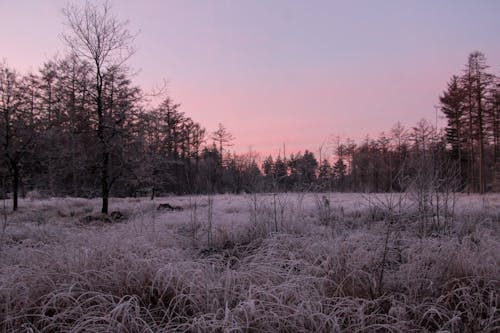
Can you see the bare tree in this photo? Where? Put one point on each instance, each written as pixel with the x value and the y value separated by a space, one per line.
pixel 97 37
pixel 223 139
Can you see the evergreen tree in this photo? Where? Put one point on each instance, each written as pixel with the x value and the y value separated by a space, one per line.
pixel 339 172
pixel 325 174
pixel 452 105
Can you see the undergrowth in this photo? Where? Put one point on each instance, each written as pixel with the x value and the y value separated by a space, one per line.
pixel 344 268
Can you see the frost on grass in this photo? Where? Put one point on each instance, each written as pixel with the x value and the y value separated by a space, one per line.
pixel 264 263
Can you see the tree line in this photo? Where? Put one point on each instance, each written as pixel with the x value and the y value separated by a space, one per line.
pixel 471 104
pixel 464 155
pixel 79 126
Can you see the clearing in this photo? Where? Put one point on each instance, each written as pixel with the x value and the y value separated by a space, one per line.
pixel 289 262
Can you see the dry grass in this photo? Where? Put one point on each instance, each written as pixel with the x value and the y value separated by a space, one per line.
pixel 270 267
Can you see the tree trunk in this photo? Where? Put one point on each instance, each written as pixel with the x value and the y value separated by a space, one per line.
pixel 104 182
pixel 103 143
pixel 15 187
pixel 482 169
pixel 471 174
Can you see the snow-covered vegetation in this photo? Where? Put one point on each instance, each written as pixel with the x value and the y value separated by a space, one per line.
pixel 303 262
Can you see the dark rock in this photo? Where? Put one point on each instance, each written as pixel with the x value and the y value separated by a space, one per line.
pixel 117 216
pixel 168 207
pixel 96 218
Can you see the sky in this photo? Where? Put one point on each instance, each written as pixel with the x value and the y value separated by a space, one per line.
pixel 277 72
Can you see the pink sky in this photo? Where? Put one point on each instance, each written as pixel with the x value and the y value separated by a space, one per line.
pixel 294 72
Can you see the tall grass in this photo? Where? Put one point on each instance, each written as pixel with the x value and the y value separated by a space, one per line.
pixel 149 276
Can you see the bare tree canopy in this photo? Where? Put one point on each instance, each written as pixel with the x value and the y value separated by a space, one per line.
pixel 223 137
pixel 96 35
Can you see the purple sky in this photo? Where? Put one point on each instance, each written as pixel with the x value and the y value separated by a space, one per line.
pixel 298 72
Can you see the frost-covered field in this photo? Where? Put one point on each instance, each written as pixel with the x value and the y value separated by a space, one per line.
pixel 252 263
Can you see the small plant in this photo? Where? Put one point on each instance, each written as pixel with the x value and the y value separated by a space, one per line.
pixel 210 207
pixel 324 209
pixel 283 203
pixel 391 208
pixel 193 217
pixel 262 219
pixel 432 188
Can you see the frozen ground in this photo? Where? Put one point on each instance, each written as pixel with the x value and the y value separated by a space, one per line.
pixel 252 263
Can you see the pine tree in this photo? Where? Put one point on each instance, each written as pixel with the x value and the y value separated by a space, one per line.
pixel 452 105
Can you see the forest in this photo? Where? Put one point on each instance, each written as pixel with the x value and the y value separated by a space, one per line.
pixel 80 127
